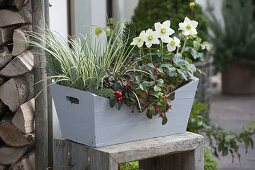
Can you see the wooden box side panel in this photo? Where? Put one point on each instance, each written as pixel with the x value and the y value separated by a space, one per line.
pixel 113 126
pixel 76 120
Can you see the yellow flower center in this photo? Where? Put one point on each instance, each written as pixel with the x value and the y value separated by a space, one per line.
pixel 188 27
pixel 172 43
pixel 139 40
pixel 150 37
pixel 163 31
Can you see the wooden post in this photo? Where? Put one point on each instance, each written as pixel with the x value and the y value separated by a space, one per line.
pixel 41 106
pixel 49 99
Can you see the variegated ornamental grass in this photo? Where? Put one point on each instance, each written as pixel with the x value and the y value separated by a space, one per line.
pixel 81 62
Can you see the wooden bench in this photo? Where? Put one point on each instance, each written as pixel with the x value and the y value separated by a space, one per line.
pixel 176 152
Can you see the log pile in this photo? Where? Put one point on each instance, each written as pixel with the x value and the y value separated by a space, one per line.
pixel 17 105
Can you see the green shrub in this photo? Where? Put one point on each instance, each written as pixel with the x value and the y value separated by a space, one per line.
pixel 130 166
pixel 150 11
pixel 210 163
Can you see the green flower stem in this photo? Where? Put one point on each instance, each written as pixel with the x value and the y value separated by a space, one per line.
pixel 184 45
pixel 162 51
pixel 150 55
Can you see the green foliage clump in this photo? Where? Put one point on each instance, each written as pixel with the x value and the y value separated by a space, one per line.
pixel 221 141
pixel 130 166
pixel 234 40
pixel 150 11
pixel 209 161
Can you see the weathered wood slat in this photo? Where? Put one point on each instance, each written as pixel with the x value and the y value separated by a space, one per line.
pixel 183 151
pixel 153 147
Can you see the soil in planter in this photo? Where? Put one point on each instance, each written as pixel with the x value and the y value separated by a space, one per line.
pixel 238 79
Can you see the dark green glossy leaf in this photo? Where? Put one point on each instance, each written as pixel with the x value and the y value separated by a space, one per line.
pixel 119 105
pixel 164 120
pixel 112 103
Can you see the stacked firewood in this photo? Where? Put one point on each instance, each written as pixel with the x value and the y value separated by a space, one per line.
pixel 17 104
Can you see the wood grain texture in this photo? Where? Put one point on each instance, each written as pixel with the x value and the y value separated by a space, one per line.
pixel 180 152
pixel 12 18
pixel 9 155
pixel 11 136
pixel 20 88
pixel 20 40
pixel 41 103
pixel 19 65
pixel 6 35
pixel 5 57
pixel 153 147
pixel 24 117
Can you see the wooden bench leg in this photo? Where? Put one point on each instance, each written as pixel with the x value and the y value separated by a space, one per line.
pixel 190 160
pixel 72 156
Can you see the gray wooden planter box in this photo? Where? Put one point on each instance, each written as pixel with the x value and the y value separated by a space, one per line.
pixel 92 122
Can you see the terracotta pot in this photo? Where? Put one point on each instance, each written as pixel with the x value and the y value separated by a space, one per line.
pixel 238 79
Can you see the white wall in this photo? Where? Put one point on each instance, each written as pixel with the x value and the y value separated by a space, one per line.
pixel 84 14
pixel 58 16
pixel 87 13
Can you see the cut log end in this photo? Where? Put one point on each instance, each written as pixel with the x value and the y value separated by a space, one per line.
pixel 26 163
pixel 10 155
pixel 24 117
pixel 19 88
pixel 20 44
pixel 5 57
pixel 19 65
pixel 11 136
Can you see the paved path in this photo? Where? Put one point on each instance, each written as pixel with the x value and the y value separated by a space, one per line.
pixel 231 113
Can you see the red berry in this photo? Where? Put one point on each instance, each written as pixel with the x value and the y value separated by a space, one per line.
pixel 118 93
pixel 120 99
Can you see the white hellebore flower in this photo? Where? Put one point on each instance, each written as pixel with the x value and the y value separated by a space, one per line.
pixel 150 37
pixel 164 30
pixel 139 40
pixel 173 44
pixel 188 27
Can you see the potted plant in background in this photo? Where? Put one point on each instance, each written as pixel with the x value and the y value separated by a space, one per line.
pixel 234 43
pixel 148 89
